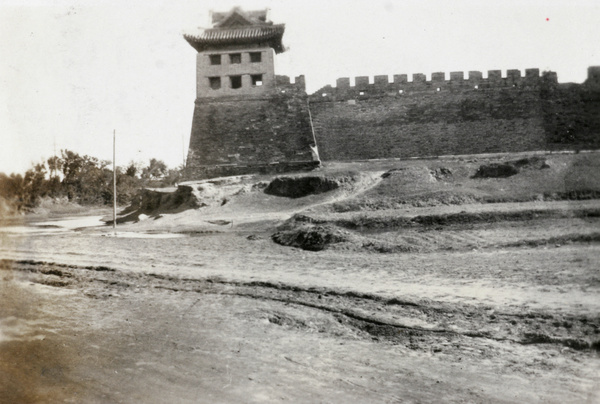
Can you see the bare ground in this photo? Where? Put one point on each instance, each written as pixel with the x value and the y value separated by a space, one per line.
pixel 500 308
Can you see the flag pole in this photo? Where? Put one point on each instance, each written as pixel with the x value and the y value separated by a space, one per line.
pixel 114 185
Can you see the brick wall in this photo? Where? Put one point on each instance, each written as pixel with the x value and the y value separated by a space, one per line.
pixel 238 135
pixel 428 123
pixel 245 68
pixel 380 119
pixel 572 115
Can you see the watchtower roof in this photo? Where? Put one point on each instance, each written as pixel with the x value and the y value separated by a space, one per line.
pixel 237 27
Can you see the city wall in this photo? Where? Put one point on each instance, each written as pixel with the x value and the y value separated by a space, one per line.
pixel 429 118
pixel 380 118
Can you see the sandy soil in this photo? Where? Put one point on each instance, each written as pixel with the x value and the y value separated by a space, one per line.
pixel 219 313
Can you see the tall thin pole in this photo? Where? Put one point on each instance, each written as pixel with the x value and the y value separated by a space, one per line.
pixel 183 149
pixel 114 185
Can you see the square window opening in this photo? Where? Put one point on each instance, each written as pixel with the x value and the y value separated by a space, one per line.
pixel 215 59
pixel 257 80
pixel 255 57
pixel 235 58
pixel 214 82
pixel 236 81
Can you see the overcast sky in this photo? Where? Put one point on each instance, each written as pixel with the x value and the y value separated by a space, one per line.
pixel 71 71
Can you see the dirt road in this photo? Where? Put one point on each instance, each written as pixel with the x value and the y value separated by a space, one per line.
pixel 224 318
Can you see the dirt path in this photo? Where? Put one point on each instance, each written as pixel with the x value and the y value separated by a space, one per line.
pixel 97 335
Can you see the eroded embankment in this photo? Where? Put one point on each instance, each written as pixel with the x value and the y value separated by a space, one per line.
pixel 243 196
pixel 418 324
pixel 392 231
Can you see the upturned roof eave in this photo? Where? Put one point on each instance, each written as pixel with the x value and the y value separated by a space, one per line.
pixel 214 38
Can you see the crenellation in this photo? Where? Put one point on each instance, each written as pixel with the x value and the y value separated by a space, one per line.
pixel 593 77
pixel 361 82
pixel 457 76
pixel 342 83
pixel 400 78
pixel 532 74
pixel 381 80
pixel 495 76
pixel 594 73
pixel 419 78
pixel 300 82
pixel 456 81
pixel 551 77
pixel 285 83
pixel 513 75
pixel 282 80
pixel 439 76
pixel 475 76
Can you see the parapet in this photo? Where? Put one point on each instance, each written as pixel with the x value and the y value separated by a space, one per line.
pixel 401 86
pixel 380 80
pixel 593 77
pixel 361 82
pixel 284 83
pixel 438 76
pixel 532 73
pixel 475 76
pixel 495 76
pixel 400 78
pixel 457 76
pixel 419 78
pixel 343 82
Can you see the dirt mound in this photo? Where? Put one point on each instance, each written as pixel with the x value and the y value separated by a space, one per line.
pixel 441 173
pixel 297 187
pixel 510 168
pixel 153 203
pixel 411 175
pixel 310 237
pixel 395 220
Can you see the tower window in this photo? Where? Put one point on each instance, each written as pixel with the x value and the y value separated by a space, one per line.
pixel 214 82
pixel 235 58
pixel 255 57
pixel 215 59
pixel 236 81
pixel 257 80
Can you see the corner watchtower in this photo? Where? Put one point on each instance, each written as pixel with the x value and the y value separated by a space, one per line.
pixel 246 119
pixel 235 56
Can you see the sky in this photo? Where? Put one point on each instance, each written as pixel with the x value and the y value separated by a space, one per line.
pixel 74 71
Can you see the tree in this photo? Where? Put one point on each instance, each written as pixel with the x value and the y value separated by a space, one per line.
pixel 155 170
pixel 85 179
pixel 132 169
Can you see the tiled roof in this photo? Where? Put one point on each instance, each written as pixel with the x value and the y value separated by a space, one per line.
pixel 214 37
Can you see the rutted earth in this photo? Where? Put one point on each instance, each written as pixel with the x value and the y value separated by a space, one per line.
pixel 93 334
pixel 467 302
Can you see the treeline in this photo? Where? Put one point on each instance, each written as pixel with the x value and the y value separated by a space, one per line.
pixel 84 180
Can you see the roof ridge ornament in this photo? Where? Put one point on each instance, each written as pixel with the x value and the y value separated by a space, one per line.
pixel 237 27
pixel 236 17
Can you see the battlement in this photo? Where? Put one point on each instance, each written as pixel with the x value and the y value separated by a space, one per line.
pixel 593 78
pixel 283 83
pixel 400 85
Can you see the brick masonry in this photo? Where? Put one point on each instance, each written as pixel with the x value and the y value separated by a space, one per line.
pixel 421 124
pixel 458 116
pixel 252 134
pixel 272 132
